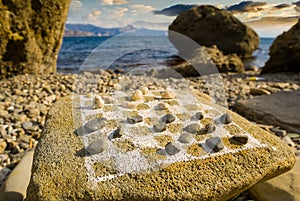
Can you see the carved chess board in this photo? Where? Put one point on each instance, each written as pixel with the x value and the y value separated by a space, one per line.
pixel 139 147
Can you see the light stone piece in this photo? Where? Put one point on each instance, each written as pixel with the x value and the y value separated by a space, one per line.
pixel 138 95
pixel 98 102
pixel 168 95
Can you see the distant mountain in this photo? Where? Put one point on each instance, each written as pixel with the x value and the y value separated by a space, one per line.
pixel 92 30
pixel 173 10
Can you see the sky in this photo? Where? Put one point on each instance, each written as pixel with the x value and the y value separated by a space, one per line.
pixel 140 13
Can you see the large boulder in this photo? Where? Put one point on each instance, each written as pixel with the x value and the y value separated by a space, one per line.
pixel 285 52
pixel 209 26
pixel 31 35
pixel 120 151
pixel 206 58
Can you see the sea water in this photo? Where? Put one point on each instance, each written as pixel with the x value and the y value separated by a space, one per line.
pixel 133 51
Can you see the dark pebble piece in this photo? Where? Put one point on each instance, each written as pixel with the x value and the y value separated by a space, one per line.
pixel 168 118
pixel 95 124
pixel 193 128
pixel 134 119
pixel 210 128
pixel 239 139
pixel 199 115
pixel 172 149
pixel 160 127
pixel 97 147
pixel 215 143
pixel 185 138
pixel 116 134
pixel 226 118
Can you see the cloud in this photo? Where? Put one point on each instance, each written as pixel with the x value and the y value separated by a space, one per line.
pixel 247 6
pixel 114 2
pixel 93 15
pixel 118 13
pixel 173 10
pixel 141 8
pixel 76 5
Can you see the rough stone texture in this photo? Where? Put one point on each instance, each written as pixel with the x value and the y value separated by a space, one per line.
pixel 209 26
pixel 205 56
pixel 279 109
pixel 285 52
pixel 283 187
pixel 30 35
pixel 59 171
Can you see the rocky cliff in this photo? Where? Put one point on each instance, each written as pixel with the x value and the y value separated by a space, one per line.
pixel 30 35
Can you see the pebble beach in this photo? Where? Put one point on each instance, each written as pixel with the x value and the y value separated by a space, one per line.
pixel 26 99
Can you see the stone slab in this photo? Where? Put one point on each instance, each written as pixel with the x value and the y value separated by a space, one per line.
pixel 279 109
pixel 135 165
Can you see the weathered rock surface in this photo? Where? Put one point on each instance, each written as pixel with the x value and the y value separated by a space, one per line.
pixel 210 26
pixel 285 52
pixel 59 169
pixel 279 109
pixel 31 34
pixel 283 187
pixel 205 57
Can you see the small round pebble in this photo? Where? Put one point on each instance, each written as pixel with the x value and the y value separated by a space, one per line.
pixel 199 115
pixel 185 138
pixel 210 128
pixel 215 143
pixel 97 147
pixel 193 128
pixel 226 118
pixel 134 119
pixel 172 148
pixel 168 118
pixel 95 124
pixel 138 95
pixel 160 127
pixel 98 102
pixel 167 95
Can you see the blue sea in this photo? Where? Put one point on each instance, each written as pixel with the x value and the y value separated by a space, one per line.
pixel 129 51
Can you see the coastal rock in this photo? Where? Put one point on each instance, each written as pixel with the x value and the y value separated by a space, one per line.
pixel 280 109
pixel 208 26
pixel 283 187
pixel 285 52
pixel 204 57
pixel 130 175
pixel 31 34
